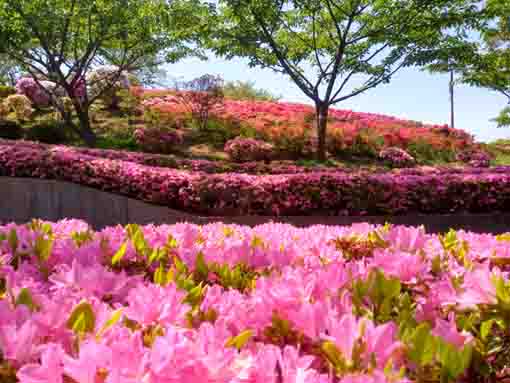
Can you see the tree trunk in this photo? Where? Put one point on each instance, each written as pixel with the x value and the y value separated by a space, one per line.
pixel 86 132
pixel 321 111
pixel 452 101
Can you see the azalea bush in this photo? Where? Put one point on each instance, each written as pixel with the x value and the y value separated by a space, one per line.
pixel 270 304
pixel 19 105
pixel 6 90
pixel 475 158
pixel 290 126
pixel 43 93
pixel 396 157
pixel 104 82
pixel 37 94
pixel 249 149
pixel 409 191
pixel 158 139
pixel 202 96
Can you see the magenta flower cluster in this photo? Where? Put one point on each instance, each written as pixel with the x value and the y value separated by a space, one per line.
pixel 242 149
pixel 40 92
pixel 232 304
pixel 158 139
pixel 475 158
pixel 406 191
pixel 27 86
pixel 396 157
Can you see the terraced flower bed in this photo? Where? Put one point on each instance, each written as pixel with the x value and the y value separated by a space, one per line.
pixel 273 303
pixel 407 191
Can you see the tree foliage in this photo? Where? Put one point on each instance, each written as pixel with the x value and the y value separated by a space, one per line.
pixel 202 95
pixel 489 67
pixel 61 40
pixel 337 49
pixel 246 90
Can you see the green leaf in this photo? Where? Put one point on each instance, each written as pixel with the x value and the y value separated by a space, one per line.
pixel 82 319
pixel 503 237
pixel 117 257
pixel 423 345
pixel 160 275
pixel 334 356
pixel 454 362
pixel 43 248
pixel 155 254
pixel 240 340
pixel 195 295
pixel 201 269
pixel 114 319
pixel 25 298
pixel 180 266
pixel 12 239
pixel 486 328
pixel 171 242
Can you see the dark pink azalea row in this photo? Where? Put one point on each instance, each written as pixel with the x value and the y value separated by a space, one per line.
pixel 428 190
pixel 252 167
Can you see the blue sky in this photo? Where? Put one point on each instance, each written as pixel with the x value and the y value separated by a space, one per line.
pixel 412 94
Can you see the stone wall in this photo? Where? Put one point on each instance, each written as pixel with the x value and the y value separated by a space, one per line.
pixel 22 199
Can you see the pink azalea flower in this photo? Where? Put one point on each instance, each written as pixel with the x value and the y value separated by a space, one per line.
pixel 154 304
pixel 478 288
pixel 19 344
pixel 382 343
pixel 447 330
pixel 92 357
pixel 49 371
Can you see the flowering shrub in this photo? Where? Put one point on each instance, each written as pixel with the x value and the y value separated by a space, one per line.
pixel 106 81
pixel 396 157
pixel 39 94
pixel 475 158
pixel 130 100
pixel 289 126
pixel 19 105
pixel 203 96
pixel 428 190
pixel 6 91
pixel 274 303
pixel 4 110
pixel 36 94
pixel 248 149
pixel 158 139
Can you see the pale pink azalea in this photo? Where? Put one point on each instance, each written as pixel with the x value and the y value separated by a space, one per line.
pixel 478 288
pixel 20 344
pixel 382 342
pixel 447 330
pixel 92 357
pixel 151 304
pixel 50 369
pixel 401 265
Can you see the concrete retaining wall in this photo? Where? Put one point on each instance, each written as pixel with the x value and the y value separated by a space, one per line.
pixel 22 199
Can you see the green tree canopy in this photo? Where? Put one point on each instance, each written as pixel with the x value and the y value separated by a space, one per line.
pixel 337 49
pixel 246 90
pixel 61 40
pixel 490 66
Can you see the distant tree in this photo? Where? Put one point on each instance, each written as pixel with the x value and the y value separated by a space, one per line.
pixel 452 60
pixel 62 40
pixel 489 67
pixel 334 50
pixel 147 70
pixel 202 95
pixel 246 90
pixel 9 71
